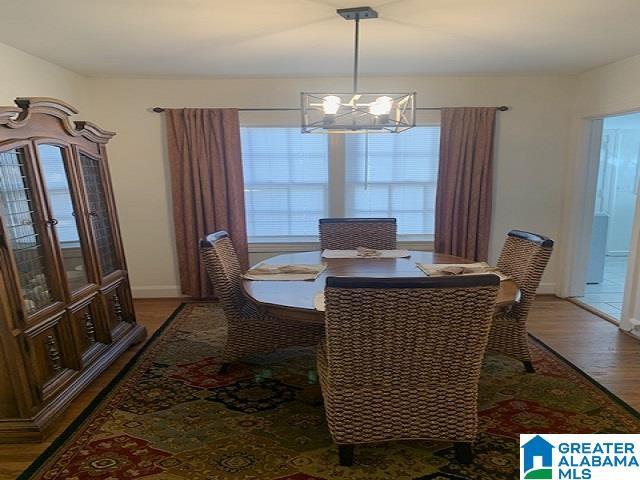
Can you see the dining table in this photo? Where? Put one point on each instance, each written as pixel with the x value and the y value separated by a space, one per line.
pixel 294 299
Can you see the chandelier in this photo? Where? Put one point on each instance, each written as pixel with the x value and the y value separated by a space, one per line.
pixel 357 112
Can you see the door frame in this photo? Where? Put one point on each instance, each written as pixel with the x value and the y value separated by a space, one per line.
pixel 630 319
pixel 583 199
pixel 579 223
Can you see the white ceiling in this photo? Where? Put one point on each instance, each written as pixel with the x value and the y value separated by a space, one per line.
pixel 306 37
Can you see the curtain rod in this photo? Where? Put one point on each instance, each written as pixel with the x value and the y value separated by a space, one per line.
pixel 501 108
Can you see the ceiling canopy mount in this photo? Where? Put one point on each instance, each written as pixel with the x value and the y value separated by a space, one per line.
pixel 357 13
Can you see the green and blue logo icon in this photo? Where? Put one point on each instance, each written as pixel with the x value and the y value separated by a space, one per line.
pixel 537 459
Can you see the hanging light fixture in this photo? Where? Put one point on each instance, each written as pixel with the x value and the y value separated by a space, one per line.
pixel 357 112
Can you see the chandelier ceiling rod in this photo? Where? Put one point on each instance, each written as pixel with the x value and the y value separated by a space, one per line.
pixel 356 14
pixel 355 55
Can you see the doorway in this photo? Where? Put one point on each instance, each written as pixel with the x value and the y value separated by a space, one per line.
pixel 613 215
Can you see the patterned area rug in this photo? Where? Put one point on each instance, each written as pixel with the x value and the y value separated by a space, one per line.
pixel 170 416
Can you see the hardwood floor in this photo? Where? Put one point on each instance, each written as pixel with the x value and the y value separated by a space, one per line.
pixel 593 344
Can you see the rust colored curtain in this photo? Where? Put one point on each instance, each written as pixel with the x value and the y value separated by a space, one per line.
pixel 207 187
pixel 463 198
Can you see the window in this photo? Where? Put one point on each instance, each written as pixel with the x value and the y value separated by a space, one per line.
pixel 288 186
pixel 286 183
pixel 396 178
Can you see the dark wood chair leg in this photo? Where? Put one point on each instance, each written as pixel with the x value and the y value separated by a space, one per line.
pixel 464 453
pixel 345 452
pixel 528 366
pixel 224 368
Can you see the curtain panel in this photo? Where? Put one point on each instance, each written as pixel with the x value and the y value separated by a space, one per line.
pixel 207 187
pixel 464 195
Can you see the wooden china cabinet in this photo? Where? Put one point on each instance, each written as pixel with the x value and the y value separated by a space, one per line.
pixel 65 304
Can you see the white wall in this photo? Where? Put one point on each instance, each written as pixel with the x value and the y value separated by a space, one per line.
pixel 544 128
pixel 611 89
pixel 529 168
pixel 24 75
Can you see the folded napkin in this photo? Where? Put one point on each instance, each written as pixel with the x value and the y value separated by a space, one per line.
pixel 368 252
pixel 362 252
pixel 441 269
pixel 284 272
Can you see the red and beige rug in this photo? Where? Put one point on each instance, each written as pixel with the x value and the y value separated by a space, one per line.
pixel 169 415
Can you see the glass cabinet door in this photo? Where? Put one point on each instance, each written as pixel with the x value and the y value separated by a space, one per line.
pixel 25 232
pixel 99 214
pixel 55 178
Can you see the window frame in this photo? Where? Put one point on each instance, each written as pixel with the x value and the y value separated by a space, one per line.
pixel 336 182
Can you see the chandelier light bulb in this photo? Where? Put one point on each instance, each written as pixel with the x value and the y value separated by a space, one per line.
pixel 381 106
pixel 331 104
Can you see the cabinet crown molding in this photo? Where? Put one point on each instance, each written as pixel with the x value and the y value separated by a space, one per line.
pixel 18 117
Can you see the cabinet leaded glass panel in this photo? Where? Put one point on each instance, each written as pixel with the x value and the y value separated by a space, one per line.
pixel 61 203
pixel 23 231
pixel 99 214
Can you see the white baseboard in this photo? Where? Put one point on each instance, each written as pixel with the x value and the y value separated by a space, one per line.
pixel 157 291
pixel 547 288
pixel 631 327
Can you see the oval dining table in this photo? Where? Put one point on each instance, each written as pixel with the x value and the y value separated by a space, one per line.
pixel 294 299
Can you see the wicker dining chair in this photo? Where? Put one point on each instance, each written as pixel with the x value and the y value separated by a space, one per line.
pixel 351 233
pixel 401 359
pixel 524 257
pixel 250 330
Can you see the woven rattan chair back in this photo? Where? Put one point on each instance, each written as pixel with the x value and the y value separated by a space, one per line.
pixel 250 330
pixel 407 331
pixel 351 233
pixel 402 357
pixel 223 268
pixel 524 257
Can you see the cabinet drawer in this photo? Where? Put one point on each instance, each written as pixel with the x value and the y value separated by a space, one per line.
pixel 50 355
pixel 118 307
pixel 90 334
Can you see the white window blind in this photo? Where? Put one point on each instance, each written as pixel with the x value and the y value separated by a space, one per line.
pixel 286 183
pixel 398 179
